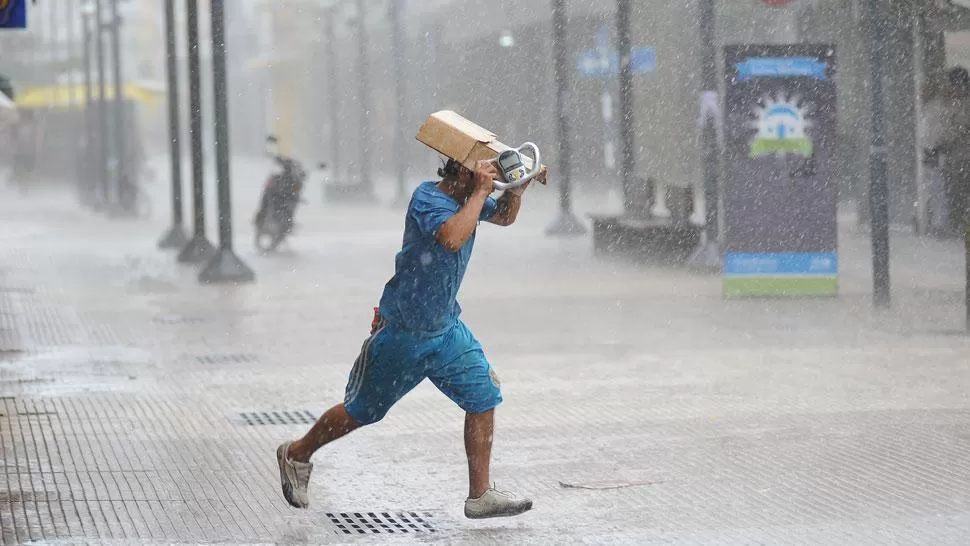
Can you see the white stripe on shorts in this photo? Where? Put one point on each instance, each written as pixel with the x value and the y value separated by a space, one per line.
pixel 360 366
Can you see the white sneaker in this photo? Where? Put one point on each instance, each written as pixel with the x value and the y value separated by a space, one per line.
pixel 496 504
pixel 294 478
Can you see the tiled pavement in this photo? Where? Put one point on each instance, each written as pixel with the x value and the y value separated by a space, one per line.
pixel 640 407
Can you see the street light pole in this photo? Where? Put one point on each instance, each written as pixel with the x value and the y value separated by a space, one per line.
pixel 54 53
pixel 628 159
pixel 199 249
pixel 102 140
pixel 76 123
pixel 123 178
pixel 175 237
pixel 878 185
pixel 69 18
pixel 332 93
pixel 400 150
pixel 966 251
pixel 225 266
pixel 707 256
pixel 366 188
pixel 566 224
pixel 87 161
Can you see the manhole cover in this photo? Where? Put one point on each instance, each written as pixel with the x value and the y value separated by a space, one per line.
pixel 241 358
pixel 367 523
pixel 298 417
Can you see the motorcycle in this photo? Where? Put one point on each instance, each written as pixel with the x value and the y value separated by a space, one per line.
pixel 278 203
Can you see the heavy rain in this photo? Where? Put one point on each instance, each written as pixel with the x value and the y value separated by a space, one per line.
pixel 719 294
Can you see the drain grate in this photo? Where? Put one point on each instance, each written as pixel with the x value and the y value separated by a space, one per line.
pixel 172 320
pixel 230 358
pixel 16 290
pixel 296 417
pixel 368 523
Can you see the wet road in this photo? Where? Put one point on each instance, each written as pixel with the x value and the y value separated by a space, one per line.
pixel 137 406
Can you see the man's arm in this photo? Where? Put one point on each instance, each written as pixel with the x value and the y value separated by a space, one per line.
pixel 455 232
pixel 510 202
pixel 508 209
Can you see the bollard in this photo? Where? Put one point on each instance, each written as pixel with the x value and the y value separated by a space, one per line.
pixel 175 236
pixel 225 266
pixel 198 249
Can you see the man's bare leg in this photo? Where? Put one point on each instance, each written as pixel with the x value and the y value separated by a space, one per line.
pixel 483 501
pixel 479 428
pixel 335 423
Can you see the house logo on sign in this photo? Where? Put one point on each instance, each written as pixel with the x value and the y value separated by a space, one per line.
pixel 782 128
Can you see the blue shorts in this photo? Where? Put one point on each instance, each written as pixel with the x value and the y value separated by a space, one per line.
pixel 393 361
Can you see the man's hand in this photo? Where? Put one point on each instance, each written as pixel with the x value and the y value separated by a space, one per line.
pixel 543 173
pixel 521 189
pixel 485 174
pixel 511 201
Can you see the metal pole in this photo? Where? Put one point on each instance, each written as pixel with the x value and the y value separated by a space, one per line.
pixel 48 156
pixel 102 140
pixel 366 187
pixel 628 160
pixel 707 256
pixel 332 94
pixel 711 194
pixel 122 177
pixel 199 249
pixel 919 83
pixel 878 185
pixel 70 18
pixel 54 53
pixel 966 249
pixel 400 148
pixel 566 224
pixel 85 148
pixel 175 237
pixel 225 266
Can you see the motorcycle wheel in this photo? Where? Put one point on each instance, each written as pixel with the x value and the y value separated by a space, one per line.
pixel 269 237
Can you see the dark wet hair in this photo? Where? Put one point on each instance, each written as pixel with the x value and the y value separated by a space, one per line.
pixel 450 169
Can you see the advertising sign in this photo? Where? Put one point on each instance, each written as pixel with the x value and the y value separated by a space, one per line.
pixel 13 14
pixel 780 186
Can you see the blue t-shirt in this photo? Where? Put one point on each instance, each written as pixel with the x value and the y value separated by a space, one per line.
pixel 421 297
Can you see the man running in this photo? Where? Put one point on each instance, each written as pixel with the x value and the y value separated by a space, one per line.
pixel 417 334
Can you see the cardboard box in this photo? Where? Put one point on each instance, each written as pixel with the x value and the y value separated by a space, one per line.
pixel 458 138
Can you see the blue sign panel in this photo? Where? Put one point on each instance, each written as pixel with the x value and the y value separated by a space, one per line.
pixel 643 60
pixel 781 67
pixel 782 263
pixel 13 14
pixel 593 64
pixel 590 64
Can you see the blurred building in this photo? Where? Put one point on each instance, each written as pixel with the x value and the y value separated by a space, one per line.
pixel 493 63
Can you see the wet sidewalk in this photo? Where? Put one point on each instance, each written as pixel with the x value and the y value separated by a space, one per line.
pixel 137 406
